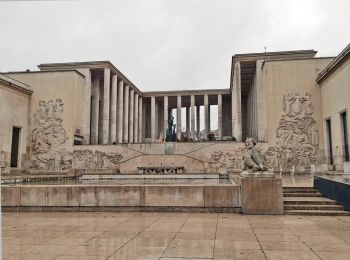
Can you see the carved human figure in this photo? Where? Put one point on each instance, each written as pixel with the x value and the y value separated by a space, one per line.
pixel 253 159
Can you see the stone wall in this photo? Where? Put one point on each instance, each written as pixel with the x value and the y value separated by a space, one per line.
pixel 14 106
pixel 293 111
pixel 335 99
pixel 133 197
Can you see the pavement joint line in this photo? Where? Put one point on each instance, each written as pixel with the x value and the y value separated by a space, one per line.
pixel 251 226
pixel 175 235
pixel 108 257
pixel 85 240
pixel 302 240
pixel 216 230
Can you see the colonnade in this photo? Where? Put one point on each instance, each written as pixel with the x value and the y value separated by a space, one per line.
pixel 159 105
pixel 118 111
pixel 119 106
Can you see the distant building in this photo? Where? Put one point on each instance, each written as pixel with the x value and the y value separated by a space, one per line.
pixel 78 115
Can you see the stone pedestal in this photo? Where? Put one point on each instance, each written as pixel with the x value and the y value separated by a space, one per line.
pixel 262 194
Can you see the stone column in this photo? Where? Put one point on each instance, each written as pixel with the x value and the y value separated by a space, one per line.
pixel 126 114
pixel 95 110
pixel 188 131
pixel 113 123
pixel 193 117
pixel 178 118
pixel 106 88
pixel 166 114
pixel 236 103
pixel 157 121
pixel 153 119
pixel 120 111
pixel 131 116
pixel 140 120
pixel 198 121
pixel 206 116
pixel 100 113
pixel 220 116
pixel 261 113
pixel 136 118
pixel 144 110
pixel 87 106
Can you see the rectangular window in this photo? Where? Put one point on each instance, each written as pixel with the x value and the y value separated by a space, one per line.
pixel 344 133
pixel 15 146
pixel 329 141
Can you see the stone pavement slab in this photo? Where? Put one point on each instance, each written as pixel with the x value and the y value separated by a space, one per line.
pixel 157 235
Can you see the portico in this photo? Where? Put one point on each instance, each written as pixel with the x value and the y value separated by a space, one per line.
pixel 188 104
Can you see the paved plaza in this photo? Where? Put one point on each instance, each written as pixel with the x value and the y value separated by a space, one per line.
pixel 74 236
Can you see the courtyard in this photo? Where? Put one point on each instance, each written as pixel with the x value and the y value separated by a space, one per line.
pixel 134 235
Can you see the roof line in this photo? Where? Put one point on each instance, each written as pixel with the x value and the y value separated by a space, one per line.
pixel 187 91
pixel 16 84
pixel 44 71
pixel 275 53
pixel 333 65
pixel 86 63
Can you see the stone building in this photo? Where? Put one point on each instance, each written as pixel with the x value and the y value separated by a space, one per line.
pixel 88 115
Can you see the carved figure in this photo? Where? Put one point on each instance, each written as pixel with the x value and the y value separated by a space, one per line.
pixel 231 159
pixel 87 159
pixel 297 138
pixel 253 159
pixel 47 137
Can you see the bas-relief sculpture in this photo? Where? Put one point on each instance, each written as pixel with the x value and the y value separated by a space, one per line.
pixel 229 160
pixel 48 138
pixel 87 159
pixel 297 138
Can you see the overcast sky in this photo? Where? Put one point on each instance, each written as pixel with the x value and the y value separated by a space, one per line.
pixel 167 44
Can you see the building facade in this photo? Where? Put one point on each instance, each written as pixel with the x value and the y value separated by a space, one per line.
pixel 88 115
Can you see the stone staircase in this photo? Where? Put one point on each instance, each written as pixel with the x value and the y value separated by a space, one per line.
pixel 308 201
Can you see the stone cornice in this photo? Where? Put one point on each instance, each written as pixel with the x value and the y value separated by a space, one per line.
pixel 17 85
pixel 196 92
pixel 334 65
pixel 91 65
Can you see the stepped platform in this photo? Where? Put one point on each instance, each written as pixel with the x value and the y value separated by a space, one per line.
pixel 309 201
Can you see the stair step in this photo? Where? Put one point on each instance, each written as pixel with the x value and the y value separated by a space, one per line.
pixel 317 212
pixel 313 207
pixel 309 202
pixel 300 188
pixel 301 191
pixel 302 194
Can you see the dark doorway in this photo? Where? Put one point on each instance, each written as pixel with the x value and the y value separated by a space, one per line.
pixel 15 146
pixel 344 126
pixel 329 141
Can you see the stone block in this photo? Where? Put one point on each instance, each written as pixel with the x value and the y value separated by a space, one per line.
pixel 262 195
pixel 63 196
pixel 118 196
pixel 346 166
pixel 88 196
pixel 222 196
pixel 10 196
pixel 186 196
pixel 35 196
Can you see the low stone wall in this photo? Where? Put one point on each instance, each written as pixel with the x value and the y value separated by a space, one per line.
pixel 220 198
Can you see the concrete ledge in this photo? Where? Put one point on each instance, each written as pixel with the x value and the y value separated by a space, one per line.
pixel 118 196
pixel 123 209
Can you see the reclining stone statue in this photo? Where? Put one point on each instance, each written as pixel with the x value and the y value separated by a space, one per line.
pixel 253 160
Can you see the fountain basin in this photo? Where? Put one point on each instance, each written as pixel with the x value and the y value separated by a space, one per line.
pixel 189 195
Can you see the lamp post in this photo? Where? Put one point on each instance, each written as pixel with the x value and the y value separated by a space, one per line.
pixel 2 167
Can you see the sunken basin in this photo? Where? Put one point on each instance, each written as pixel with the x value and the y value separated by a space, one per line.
pixel 124 194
